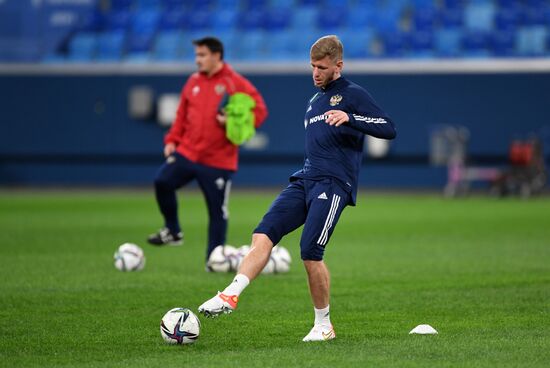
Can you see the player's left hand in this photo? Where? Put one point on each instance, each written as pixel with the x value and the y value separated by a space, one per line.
pixel 221 118
pixel 336 117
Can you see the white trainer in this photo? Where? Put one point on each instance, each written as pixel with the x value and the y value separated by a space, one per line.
pixel 219 304
pixel 320 333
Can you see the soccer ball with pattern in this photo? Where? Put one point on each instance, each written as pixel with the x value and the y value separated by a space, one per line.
pixel 129 257
pixel 222 259
pixel 278 262
pixel 281 258
pixel 180 326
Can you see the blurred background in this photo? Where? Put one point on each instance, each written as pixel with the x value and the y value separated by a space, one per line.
pixel 89 87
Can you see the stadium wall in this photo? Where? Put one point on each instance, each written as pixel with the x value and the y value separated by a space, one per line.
pixel 69 125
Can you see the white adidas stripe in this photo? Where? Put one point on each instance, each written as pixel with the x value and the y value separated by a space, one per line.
pixel 328 222
pixel 325 240
pixel 327 219
pixel 225 207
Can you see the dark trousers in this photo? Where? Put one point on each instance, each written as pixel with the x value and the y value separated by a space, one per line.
pixel 215 184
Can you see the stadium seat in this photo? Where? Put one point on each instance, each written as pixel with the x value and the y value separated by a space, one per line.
pixel 424 19
pixel 394 44
pixel 281 46
pixel 286 4
pixel 277 18
pixel 140 42
pixel 303 39
pixel 388 20
pixel 199 19
pixel 357 44
pixel 361 18
pixel 144 22
pixel 121 4
pixel 174 5
pixel 173 20
pixel 421 45
pixel 531 41
pixel 305 18
pixel 332 21
pixel 118 20
pixel 506 20
pixel 225 20
pixel 448 42
pixel 110 46
pixel 251 20
pixel 475 45
pixel 252 46
pixel 534 17
pixel 199 5
pixel 82 47
pixel 451 18
pixel 254 4
pixel 148 4
pixel 503 43
pixel 479 16
pixel 93 21
pixel 168 46
pixel 453 4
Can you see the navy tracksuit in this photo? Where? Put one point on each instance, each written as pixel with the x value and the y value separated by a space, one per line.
pixel 215 184
pixel 328 182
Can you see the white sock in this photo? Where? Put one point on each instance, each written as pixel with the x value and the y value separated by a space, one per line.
pixel 322 316
pixel 237 285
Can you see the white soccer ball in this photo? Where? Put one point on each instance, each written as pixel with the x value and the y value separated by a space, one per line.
pixel 278 262
pixel 270 266
pixel 223 259
pixel 241 253
pixel 281 258
pixel 180 326
pixel 129 257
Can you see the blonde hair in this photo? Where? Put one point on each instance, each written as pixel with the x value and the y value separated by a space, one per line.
pixel 330 46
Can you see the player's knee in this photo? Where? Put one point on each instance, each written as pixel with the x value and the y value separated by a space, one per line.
pixel 163 183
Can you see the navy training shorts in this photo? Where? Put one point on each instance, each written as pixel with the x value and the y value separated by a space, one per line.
pixel 316 204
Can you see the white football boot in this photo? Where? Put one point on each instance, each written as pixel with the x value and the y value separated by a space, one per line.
pixel 219 304
pixel 320 333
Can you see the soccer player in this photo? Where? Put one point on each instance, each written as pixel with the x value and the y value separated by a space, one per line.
pixel 196 147
pixel 337 118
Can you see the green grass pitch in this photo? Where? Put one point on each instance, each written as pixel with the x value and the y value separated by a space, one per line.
pixel 476 269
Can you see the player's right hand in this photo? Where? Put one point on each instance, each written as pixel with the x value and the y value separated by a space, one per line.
pixel 169 149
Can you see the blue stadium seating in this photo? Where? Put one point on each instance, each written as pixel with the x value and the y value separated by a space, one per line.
pixel 252 20
pixel 448 42
pixel 357 45
pixel 225 20
pixel 168 46
pixel 173 20
pixel 503 43
pixel 395 44
pixel 475 44
pixel 421 45
pixel 110 46
pixel 121 4
pixel 199 19
pixel 479 16
pixel 82 47
pixel 284 29
pixel 118 20
pixel 277 19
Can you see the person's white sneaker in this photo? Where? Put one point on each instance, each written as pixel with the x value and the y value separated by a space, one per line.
pixel 320 333
pixel 219 304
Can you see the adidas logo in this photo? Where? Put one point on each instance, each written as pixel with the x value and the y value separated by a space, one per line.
pixel 322 196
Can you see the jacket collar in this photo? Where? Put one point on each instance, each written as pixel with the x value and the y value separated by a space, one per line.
pixel 224 70
pixel 334 84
